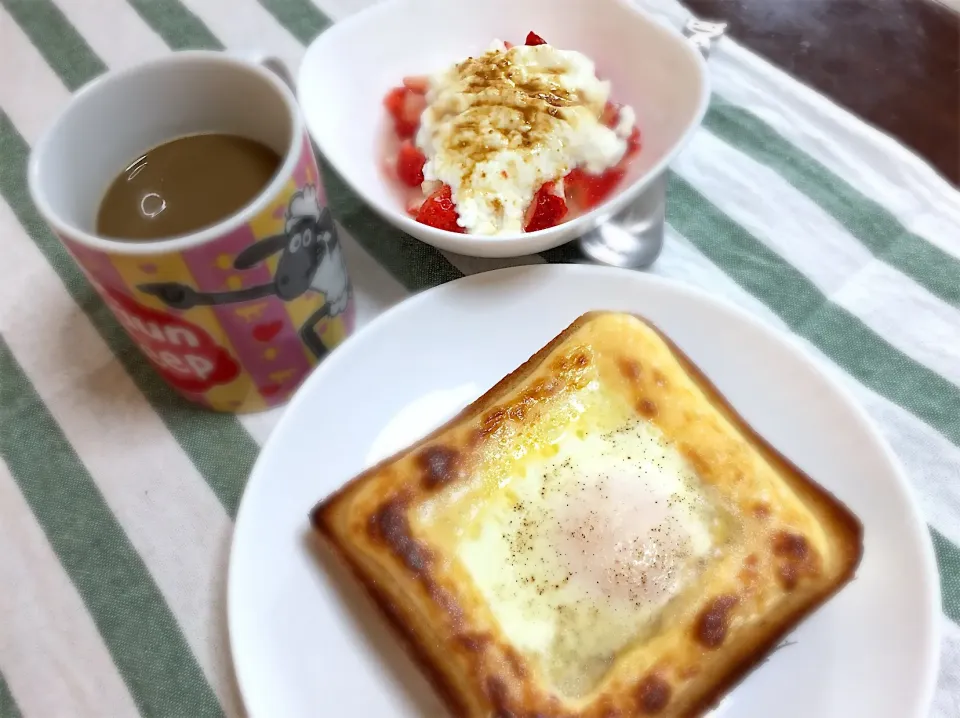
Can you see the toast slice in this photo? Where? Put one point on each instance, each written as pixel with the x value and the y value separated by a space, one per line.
pixel 598 535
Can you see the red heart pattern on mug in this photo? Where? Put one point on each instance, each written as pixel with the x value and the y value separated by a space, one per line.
pixel 270 389
pixel 267 331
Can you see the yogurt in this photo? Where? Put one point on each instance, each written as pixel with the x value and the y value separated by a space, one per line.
pixel 500 125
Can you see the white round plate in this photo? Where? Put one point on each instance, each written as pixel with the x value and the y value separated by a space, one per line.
pixel 306 641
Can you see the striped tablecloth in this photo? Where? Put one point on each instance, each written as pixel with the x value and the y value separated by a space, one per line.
pixel 117 500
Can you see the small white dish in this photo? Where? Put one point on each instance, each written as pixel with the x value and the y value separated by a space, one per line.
pixel 306 639
pixel 349 68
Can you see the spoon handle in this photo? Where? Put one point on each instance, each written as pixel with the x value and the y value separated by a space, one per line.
pixel 634 236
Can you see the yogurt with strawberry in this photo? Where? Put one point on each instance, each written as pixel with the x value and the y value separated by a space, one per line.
pixel 510 141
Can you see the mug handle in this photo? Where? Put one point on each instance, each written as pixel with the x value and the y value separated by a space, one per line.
pixel 275 65
pixel 279 68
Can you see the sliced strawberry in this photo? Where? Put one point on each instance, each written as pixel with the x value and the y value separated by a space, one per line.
pixel 393 100
pixel 547 209
pixel 405 106
pixel 413 206
pixel 633 143
pixel 574 183
pixel 417 83
pixel 610 115
pixel 413 106
pixel 507 44
pixel 438 210
pixel 602 186
pixel 587 190
pixel 389 167
pixel 534 39
pixel 410 162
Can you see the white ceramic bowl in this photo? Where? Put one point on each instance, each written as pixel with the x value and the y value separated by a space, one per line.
pixel 349 68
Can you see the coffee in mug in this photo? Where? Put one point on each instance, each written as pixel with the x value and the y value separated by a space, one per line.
pixel 184 185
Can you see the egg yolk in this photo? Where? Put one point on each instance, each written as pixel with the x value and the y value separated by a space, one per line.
pixel 621 540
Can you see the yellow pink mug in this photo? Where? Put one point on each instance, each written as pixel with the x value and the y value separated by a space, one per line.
pixel 235 315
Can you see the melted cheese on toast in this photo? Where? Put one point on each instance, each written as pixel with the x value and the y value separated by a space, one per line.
pixel 600 534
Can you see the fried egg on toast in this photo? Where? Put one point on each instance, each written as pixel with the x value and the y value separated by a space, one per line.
pixel 599 536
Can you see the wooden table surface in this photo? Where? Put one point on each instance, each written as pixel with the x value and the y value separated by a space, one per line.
pixel 896 63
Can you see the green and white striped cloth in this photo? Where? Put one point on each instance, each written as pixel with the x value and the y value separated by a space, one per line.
pixel 117 500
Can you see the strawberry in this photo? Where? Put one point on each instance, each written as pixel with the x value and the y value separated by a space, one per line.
pixel 389 167
pixel 633 143
pixel 610 115
pixel 534 39
pixel 405 106
pixel 413 206
pixel 413 106
pixel 417 83
pixel 546 210
pixel 394 100
pixel 410 161
pixel 574 183
pixel 438 210
pixel 507 44
pixel 587 191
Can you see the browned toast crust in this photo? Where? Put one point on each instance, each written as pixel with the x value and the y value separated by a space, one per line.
pixel 471 665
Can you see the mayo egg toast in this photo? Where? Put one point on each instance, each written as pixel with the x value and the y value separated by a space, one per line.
pixel 599 536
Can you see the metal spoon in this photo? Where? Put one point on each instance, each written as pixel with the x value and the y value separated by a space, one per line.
pixel 634 236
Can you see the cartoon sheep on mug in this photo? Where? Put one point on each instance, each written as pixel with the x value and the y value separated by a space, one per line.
pixel 310 258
